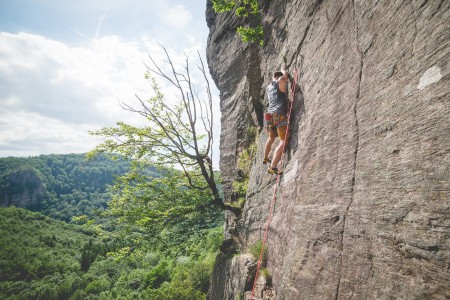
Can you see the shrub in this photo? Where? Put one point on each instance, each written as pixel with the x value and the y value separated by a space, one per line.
pixel 98 286
pixel 158 275
pixel 266 274
pixel 255 250
pixel 244 9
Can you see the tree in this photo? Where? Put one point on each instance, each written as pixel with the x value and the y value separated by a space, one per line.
pixel 179 132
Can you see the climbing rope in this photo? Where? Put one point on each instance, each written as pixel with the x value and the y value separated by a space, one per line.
pixel 274 197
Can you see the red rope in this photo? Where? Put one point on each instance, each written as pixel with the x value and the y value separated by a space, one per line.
pixel 274 197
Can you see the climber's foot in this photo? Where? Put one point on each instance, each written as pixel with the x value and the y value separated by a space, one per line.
pixel 274 171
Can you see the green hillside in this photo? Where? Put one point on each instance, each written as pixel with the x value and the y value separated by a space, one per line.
pixel 59 186
pixel 148 238
pixel 42 258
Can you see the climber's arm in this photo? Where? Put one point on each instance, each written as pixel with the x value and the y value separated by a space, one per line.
pixel 283 80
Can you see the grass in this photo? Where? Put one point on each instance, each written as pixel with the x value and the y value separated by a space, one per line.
pixel 266 274
pixel 255 250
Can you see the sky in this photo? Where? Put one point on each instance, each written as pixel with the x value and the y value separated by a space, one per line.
pixel 65 66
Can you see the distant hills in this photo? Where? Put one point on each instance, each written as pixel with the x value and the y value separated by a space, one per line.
pixel 59 185
pixel 105 258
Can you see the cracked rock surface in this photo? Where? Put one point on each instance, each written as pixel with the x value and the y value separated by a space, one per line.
pixel 363 209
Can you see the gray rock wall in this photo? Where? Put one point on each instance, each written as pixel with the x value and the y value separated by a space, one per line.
pixel 362 211
pixel 21 188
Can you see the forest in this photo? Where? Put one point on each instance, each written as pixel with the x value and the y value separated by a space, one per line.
pixel 72 185
pixel 87 238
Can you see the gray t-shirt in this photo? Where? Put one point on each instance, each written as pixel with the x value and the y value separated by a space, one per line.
pixel 277 99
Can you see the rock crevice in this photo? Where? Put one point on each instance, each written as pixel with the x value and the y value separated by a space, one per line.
pixel 363 208
pixel 357 137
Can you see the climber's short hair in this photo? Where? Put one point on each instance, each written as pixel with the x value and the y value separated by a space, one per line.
pixel 277 74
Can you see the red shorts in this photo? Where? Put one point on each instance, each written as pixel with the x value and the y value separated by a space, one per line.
pixel 276 126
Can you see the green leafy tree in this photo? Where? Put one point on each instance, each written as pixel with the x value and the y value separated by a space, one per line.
pixel 168 209
pixel 245 9
pixel 179 133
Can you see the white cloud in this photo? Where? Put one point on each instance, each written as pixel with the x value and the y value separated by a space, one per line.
pixel 27 133
pixel 177 16
pixel 52 94
pixel 81 85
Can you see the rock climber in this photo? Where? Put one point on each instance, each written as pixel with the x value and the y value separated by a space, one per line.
pixel 276 118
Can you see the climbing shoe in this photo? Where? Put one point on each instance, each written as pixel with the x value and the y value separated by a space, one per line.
pixel 266 161
pixel 274 171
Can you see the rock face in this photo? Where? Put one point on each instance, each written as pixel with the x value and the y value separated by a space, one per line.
pixel 363 209
pixel 21 188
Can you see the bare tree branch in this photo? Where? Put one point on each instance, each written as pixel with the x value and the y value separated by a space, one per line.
pixel 179 134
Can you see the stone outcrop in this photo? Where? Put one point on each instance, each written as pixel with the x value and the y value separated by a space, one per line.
pixel 21 188
pixel 363 208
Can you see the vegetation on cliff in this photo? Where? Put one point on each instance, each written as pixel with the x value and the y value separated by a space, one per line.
pixel 248 10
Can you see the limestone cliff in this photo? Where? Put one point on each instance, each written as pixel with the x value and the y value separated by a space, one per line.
pixel 21 188
pixel 363 208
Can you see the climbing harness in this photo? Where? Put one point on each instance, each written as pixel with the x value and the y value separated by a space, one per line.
pixel 274 197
